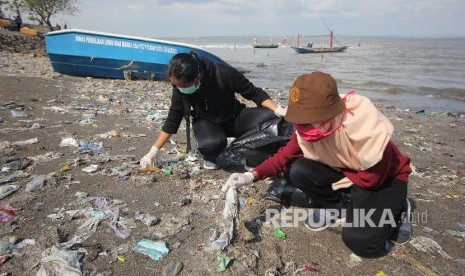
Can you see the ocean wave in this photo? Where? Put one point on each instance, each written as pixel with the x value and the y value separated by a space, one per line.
pixel 374 86
pixel 225 46
pixel 390 88
pixel 452 93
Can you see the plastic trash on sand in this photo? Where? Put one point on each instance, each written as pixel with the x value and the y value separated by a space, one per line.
pixel 428 245
pixel 85 146
pixel 90 169
pixel 155 250
pixel 223 263
pixel 57 261
pixel 169 226
pixel 84 231
pixel 25 142
pixel 36 183
pixel 7 241
pixel 279 233
pixel 6 190
pixel 18 114
pixel 12 177
pixel 146 219
pixel 6 212
pixel 230 211
pixel 69 142
pixel 79 197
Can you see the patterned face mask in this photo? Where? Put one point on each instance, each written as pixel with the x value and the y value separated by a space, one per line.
pixel 313 134
pixel 316 133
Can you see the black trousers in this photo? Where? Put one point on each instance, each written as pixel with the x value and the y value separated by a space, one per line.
pixel 365 240
pixel 212 137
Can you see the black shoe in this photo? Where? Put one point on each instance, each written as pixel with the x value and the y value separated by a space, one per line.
pixel 282 192
pixel 403 232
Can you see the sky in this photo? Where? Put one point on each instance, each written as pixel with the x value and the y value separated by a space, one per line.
pixel 181 18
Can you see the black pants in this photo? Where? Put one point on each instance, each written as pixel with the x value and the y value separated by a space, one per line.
pixel 315 179
pixel 212 137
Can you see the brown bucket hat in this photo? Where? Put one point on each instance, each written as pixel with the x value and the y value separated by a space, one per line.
pixel 313 98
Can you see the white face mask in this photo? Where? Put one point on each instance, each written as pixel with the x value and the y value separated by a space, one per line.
pixel 190 89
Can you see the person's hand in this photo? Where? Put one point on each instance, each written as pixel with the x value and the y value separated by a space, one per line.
pixel 238 180
pixel 280 111
pixel 149 158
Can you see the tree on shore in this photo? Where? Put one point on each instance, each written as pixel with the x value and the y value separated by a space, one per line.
pixel 42 10
pixel 2 15
pixel 14 7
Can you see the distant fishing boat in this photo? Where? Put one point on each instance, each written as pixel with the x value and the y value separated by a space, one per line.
pixel 310 48
pixel 95 54
pixel 264 46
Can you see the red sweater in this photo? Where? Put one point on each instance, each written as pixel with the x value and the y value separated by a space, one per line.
pixel 392 165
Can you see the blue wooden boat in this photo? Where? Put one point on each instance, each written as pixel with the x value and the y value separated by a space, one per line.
pixel 95 54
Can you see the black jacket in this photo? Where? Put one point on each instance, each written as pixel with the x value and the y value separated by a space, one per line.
pixel 215 99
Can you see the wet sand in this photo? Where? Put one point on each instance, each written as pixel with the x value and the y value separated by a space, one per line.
pixel 189 201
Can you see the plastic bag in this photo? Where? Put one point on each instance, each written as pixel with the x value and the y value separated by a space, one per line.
pixel 262 142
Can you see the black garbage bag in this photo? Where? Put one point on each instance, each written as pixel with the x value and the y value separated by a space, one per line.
pixel 263 141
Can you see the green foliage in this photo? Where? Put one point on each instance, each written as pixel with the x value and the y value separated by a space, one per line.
pixel 2 15
pixel 42 10
pixel 12 6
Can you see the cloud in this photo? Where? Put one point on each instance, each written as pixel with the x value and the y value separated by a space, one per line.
pixel 217 17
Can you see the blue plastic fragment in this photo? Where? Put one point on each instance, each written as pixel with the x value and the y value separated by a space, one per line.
pixel 155 250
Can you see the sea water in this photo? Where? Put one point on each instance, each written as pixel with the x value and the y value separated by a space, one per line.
pixel 411 73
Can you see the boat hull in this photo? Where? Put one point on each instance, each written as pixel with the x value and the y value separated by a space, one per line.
pixel 91 54
pixel 307 50
pixel 263 46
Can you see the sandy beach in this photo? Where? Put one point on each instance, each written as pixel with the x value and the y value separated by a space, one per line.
pixel 44 116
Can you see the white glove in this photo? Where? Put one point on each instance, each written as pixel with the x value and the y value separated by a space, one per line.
pixel 148 159
pixel 238 180
pixel 280 111
pixel 343 183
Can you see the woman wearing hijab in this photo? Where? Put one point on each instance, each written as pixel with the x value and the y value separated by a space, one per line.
pixel 206 91
pixel 342 160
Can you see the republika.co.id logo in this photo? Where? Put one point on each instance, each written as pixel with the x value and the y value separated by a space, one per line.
pixel 295 217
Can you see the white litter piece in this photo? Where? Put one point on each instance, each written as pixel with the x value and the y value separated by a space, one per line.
pixel 169 226
pixel 191 158
pixel 57 109
pixel 354 260
pixel 26 142
pixel 57 261
pixel 18 114
pixel 90 169
pixel 4 145
pixel 146 219
pixel 6 190
pixel 23 244
pixel 69 142
pixel 36 183
pixel 49 156
pixel 85 231
pixel 230 211
pixel 12 177
pixel 428 245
